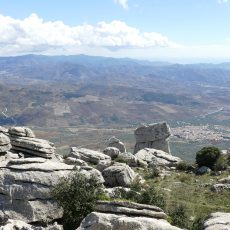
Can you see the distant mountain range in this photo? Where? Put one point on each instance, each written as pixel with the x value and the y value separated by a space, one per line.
pixel 72 90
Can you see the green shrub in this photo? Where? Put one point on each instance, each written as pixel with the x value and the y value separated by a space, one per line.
pixel 77 196
pixel 197 224
pixel 221 163
pixel 208 156
pixel 179 216
pixel 185 167
pixel 151 173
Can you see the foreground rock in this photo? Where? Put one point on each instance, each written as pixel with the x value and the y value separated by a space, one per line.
pixel 118 174
pixel 223 184
pixel 5 144
pixel 88 155
pixel 217 221
pixel 116 143
pixel 20 225
pixel 152 136
pixel 23 140
pixel 156 158
pixel 124 216
pixel 25 189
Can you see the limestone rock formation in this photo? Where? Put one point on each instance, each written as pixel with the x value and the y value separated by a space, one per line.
pixel 223 184
pixel 88 155
pixel 25 189
pixel 126 215
pixel 114 142
pixel 74 161
pixel 21 132
pixel 155 158
pixel 112 152
pixel 23 140
pixel 118 174
pixel 5 144
pixel 217 221
pixel 129 159
pixel 153 136
pixel 21 225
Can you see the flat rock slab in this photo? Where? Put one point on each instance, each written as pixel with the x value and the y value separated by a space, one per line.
pixel 217 221
pixel 21 131
pixel 157 157
pixel 88 155
pixel 105 221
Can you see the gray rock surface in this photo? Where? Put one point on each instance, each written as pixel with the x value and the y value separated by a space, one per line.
pixel 21 131
pixel 203 170
pixel 88 155
pixel 156 158
pixel 129 159
pixel 152 136
pixel 125 216
pixel 5 144
pixel 217 221
pixel 90 171
pixel 223 184
pixel 32 146
pixel 112 152
pixel 118 174
pixel 25 189
pixel 74 161
pixel 20 225
pixel 103 164
pixel 116 143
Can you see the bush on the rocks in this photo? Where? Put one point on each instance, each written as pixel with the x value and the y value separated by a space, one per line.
pixel 77 196
pixel 210 157
pixel 185 166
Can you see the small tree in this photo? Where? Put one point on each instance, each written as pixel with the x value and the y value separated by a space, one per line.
pixel 208 156
pixel 77 196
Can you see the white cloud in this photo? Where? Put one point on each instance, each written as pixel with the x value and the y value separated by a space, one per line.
pixel 122 3
pixel 34 35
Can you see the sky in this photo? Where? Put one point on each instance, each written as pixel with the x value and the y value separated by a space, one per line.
pixel 181 30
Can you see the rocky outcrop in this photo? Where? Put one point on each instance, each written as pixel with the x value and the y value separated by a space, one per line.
pixel 112 152
pixel 223 184
pixel 152 136
pixel 156 158
pixel 20 225
pixel 126 215
pixel 25 189
pixel 114 142
pixel 23 140
pixel 118 174
pixel 88 155
pixel 129 159
pixel 5 144
pixel 217 221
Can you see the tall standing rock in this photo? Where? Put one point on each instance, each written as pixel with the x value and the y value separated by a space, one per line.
pixel 153 136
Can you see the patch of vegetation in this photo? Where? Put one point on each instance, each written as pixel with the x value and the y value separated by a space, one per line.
pixel 77 195
pixel 185 166
pixel 211 157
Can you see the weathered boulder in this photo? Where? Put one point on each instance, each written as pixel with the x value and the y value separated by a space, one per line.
pixel 217 221
pixel 118 174
pixel 155 158
pixel 33 146
pixel 5 144
pixel 74 161
pixel 126 215
pixel 129 159
pixel 203 170
pixel 25 189
pixel 103 164
pixel 21 132
pixel 152 136
pixel 92 172
pixel 223 184
pixel 3 130
pixel 21 225
pixel 88 155
pixel 116 143
pixel 112 152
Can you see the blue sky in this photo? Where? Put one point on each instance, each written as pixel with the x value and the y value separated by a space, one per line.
pixel 150 29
